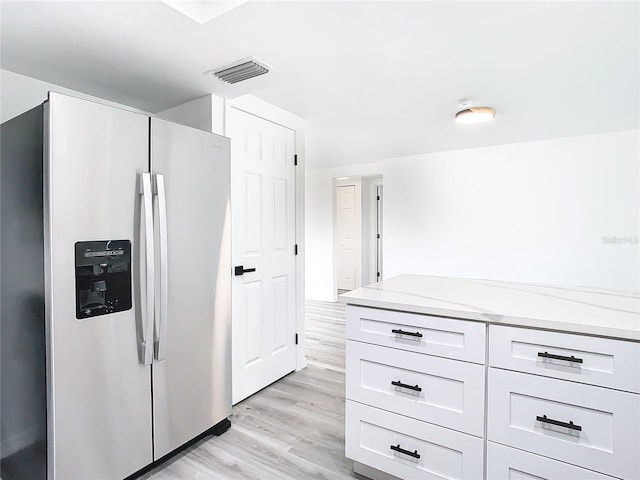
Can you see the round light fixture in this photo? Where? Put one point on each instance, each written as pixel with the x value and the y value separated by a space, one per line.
pixel 473 115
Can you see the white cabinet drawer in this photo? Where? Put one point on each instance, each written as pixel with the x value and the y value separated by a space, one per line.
pixel 420 450
pixel 594 427
pixel 437 390
pixel 443 337
pixel 504 463
pixel 596 361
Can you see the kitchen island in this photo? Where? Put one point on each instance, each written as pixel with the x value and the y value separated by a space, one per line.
pixel 463 378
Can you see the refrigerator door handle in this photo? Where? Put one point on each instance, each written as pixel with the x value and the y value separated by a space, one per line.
pixel 161 316
pixel 147 206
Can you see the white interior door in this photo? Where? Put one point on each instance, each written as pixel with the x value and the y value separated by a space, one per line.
pixel 346 236
pixel 263 241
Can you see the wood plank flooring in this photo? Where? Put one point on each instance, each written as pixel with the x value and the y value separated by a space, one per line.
pixel 291 430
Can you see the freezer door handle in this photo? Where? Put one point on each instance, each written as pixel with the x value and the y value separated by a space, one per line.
pixel 161 311
pixel 147 206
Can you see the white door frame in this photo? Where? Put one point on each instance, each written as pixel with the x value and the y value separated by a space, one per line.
pixel 340 182
pixel 260 108
pixel 379 231
pixel 370 222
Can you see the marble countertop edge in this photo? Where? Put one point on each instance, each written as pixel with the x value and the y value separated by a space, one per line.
pixel 410 293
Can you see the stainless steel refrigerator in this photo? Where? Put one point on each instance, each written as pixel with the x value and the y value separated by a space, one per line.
pixel 116 288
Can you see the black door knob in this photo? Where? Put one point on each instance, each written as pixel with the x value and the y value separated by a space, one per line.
pixel 240 270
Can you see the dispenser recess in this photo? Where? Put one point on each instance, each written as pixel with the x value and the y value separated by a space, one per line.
pixel 103 277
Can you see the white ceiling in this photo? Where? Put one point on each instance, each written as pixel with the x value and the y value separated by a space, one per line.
pixel 374 79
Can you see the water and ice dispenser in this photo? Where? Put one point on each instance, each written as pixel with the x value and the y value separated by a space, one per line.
pixel 103 277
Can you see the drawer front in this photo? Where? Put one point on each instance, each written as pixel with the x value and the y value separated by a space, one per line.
pixel 443 337
pixel 596 361
pixel 506 463
pixel 433 389
pixel 598 430
pixel 420 450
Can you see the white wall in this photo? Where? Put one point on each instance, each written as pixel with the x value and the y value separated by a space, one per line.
pixel 319 227
pixel 19 93
pixel 561 211
pixel 205 113
pixel 534 212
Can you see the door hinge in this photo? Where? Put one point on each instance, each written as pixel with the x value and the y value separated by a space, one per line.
pixel 378 197
pixel 295 249
pixel 378 274
pixel 295 159
pixel 378 235
pixel 296 338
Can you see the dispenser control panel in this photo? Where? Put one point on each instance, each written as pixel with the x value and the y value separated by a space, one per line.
pixel 103 277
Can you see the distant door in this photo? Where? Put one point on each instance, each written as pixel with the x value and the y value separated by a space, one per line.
pixel 263 241
pixel 346 236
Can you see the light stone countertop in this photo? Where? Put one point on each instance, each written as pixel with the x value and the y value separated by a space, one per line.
pixel 591 311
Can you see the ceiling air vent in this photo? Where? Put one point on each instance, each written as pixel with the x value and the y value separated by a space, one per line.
pixel 240 70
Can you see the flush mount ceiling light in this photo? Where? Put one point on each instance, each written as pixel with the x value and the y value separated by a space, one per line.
pixel 471 115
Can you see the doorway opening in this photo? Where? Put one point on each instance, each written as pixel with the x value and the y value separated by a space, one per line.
pixel 358 232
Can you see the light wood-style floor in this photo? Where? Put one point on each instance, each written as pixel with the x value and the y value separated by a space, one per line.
pixel 291 430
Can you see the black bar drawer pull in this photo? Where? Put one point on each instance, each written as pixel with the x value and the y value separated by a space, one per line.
pixel 570 425
pixel 404 385
pixel 560 357
pixel 402 332
pixel 239 270
pixel 397 448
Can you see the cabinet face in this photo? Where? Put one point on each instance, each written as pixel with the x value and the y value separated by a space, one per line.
pixel 559 405
pixel 439 336
pixel 596 361
pixel 433 389
pixel 511 464
pixel 408 448
pixel 571 422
